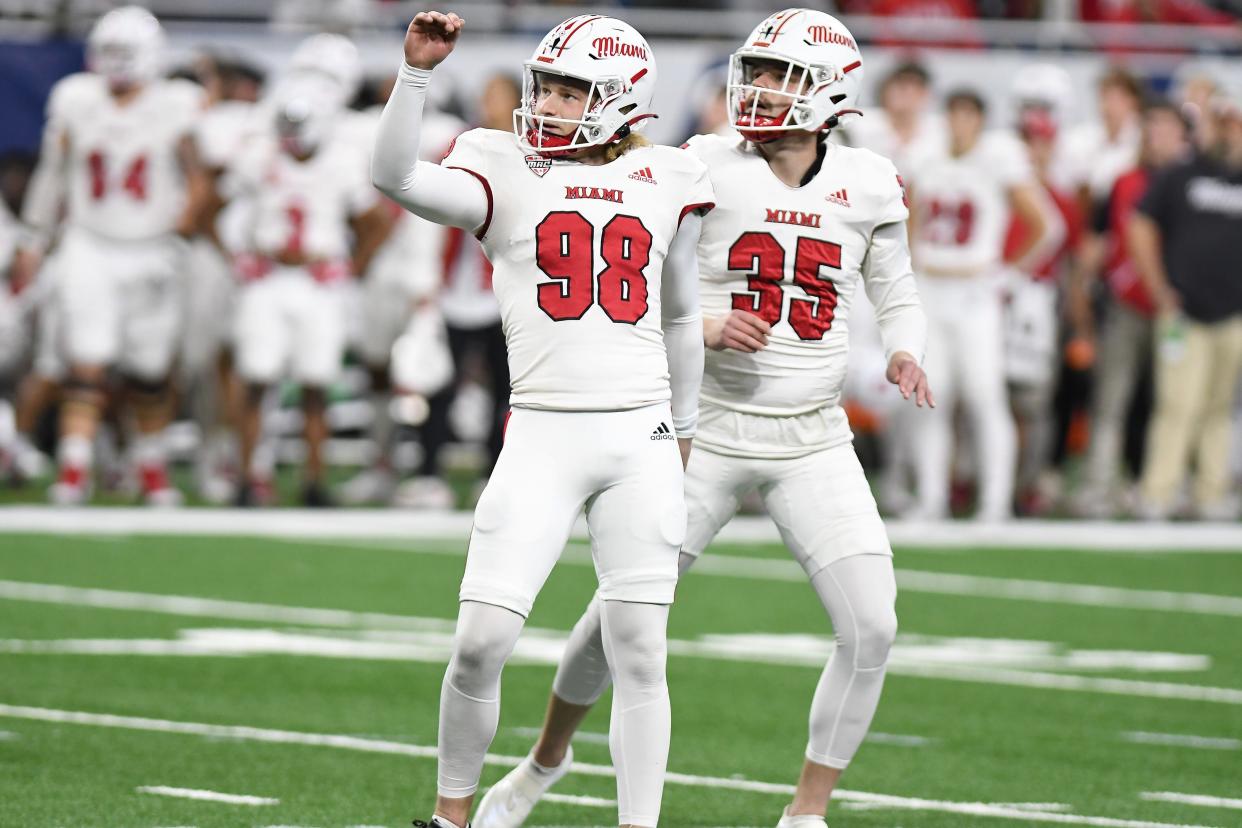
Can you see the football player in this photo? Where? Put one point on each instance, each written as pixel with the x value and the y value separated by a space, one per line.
pixel 606 356
pixel 119 153
pixel 962 198
pixel 315 220
pixel 801 225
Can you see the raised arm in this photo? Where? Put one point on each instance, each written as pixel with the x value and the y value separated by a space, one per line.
pixel 683 330
pixel 445 196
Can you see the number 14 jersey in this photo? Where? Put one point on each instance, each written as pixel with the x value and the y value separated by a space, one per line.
pixel 578 253
pixel 794 256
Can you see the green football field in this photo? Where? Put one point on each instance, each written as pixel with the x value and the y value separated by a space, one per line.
pixel 296 682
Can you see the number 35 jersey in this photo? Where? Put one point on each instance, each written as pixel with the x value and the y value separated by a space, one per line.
pixel 795 257
pixel 578 253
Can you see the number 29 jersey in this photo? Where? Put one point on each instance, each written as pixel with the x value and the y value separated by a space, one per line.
pixel 795 257
pixel 578 253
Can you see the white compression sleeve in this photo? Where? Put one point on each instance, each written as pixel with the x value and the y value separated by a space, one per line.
pixel 889 280
pixel 683 326
pixel 470 694
pixel 859 593
pixel 445 196
pixel 635 641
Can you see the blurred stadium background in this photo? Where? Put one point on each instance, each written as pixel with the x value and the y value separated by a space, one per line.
pixel 1071 666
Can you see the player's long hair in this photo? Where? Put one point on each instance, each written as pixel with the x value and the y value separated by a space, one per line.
pixel 630 142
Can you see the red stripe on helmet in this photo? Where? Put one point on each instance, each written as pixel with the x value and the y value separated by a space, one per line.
pixel 851 67
pixel 640 73
pixel 561 49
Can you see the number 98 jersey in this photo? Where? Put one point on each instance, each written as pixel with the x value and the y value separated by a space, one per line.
pixel 577 253
pixel 124 177
pixel 794 256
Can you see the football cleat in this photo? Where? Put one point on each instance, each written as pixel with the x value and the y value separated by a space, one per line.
pixel 157 491
pixel 424 492
pixel 436 822
pixel 72 487
pixel 315 496
pixel 801 821
pixel 509 802
pixel 374 485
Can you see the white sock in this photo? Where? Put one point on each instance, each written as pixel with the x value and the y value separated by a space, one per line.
pixel 149 450
pixel 75 451
pixel 635 641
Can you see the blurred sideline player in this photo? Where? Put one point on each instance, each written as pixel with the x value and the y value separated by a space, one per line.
pixel 801 224
pixel 605 345
pixel 1033 300
pixel 234 119
pixel 961 202
pixel 307 192
pixel 474 330
pixel 119 155
pixel 399 299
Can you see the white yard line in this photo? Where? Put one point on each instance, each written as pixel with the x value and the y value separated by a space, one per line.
pixel 290 737
pixel 1192 799
pixel 1180 740
pixel 580 736
pixel 587 801
pixel 898 739
pixel 545 648
pixel 390 523
pixel 207 796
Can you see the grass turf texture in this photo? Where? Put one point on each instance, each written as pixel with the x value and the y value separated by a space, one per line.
pixel 987 742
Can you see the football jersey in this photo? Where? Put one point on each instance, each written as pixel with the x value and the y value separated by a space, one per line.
pixel 302 207
pixel 221 137
pixel 795 258
pixel 578 253
pixel 962 203
pixel 124 177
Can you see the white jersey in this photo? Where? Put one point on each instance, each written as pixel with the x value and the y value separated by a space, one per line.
pixel 794 257
pixel 1097 161
pixel 221 139
pixel 303 207
pixel 578 253
pixel 874 131
pixel 124 179
pixel 962 203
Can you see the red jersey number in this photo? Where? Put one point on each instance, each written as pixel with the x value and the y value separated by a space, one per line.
pixel 134 182
pixel 564 251
pixel 762 256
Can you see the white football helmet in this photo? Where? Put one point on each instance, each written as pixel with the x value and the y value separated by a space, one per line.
pixel 1043 86
pixel 305 108
pixel 126 46
pixel 822 79
pixel 613 59
pixel 333 56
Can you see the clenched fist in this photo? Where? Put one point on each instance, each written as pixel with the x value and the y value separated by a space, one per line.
pixel 431 38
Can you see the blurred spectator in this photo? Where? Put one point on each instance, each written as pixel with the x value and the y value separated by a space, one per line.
pixel 1125 332
pixel 1104 149
pixel 1184 242
pixel 1184 12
